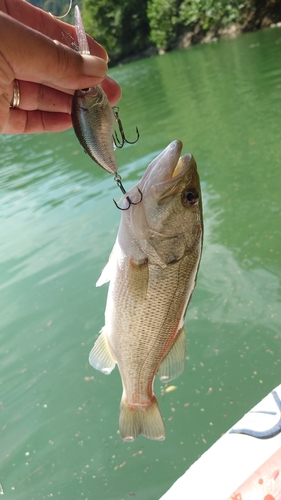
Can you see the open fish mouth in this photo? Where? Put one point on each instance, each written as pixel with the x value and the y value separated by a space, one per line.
pixel 182 165
pixel 178 165
pixel 167 166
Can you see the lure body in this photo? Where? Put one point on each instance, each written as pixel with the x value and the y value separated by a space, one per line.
pixel 92 116
pixel 94 122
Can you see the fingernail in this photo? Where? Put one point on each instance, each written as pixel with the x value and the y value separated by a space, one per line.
pixel 94 66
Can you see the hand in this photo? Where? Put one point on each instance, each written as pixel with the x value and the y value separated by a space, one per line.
pixel 48 71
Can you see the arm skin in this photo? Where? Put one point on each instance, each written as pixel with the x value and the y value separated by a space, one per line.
pixel 34 50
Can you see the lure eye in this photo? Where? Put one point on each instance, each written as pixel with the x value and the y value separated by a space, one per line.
pixel 189 197
pixel 86 90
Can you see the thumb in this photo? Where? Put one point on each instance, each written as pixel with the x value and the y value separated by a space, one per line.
pixel 28 55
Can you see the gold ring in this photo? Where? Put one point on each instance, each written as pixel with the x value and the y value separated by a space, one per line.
pixel 16 95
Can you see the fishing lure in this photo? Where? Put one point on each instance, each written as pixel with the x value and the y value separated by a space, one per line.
pixel 94 119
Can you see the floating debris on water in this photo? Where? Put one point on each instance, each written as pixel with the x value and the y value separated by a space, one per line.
pixel 140 452
pixel 170 388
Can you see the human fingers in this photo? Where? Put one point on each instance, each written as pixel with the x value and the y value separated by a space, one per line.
pixel 43 109
pixel 30 56
pixel 29 122
pixel 34 96
pixel 49 111
pixel 47 24
pixel 112 90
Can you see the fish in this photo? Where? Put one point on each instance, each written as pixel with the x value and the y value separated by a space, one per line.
pixel 93 118
pixel 152 272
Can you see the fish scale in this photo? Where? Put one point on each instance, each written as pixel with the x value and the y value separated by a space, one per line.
pixel 148 326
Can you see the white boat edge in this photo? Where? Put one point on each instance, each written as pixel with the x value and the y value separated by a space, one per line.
pixel 235 456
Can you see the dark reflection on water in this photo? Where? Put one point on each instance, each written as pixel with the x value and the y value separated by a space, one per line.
pixel 59 417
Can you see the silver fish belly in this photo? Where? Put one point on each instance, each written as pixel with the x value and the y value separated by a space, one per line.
pixel 92 116
pixel 94 122
pixel 152 272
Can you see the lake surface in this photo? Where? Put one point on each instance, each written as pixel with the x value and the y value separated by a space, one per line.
pixel 59 417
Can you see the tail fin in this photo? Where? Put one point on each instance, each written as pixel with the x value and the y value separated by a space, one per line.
pixel 145 420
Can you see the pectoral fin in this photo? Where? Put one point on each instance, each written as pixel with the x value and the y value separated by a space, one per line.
pixel 100 356
pixel 173 364
pixel 107 271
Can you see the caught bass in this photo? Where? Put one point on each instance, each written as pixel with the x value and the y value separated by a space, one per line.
pixel 152 272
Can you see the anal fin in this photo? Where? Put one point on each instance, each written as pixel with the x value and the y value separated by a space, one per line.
pixel 100 356
pixel 173 364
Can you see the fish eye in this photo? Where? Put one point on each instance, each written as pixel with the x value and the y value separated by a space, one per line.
pixel 189 197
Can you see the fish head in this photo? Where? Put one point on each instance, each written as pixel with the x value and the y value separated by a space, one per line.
pixel 87 98
pixel 167 224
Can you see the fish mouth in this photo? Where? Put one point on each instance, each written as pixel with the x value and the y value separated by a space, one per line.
pixel 179 165
pixel 170 164
pixel 167 165
pixel 182 165
pixel 175 172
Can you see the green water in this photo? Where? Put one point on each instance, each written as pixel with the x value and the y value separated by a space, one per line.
pixel 59 417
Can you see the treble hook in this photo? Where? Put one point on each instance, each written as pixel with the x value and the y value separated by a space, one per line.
pixel 117 142
pixel 118 181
